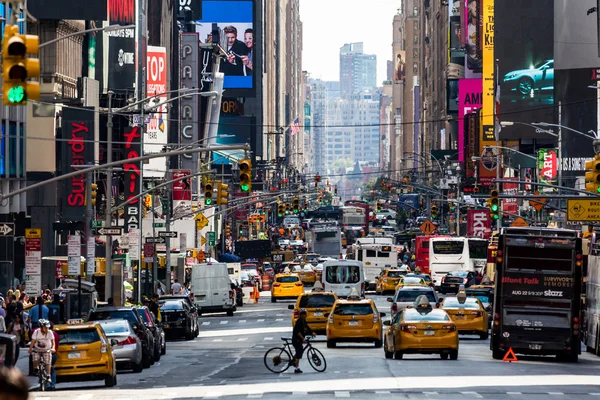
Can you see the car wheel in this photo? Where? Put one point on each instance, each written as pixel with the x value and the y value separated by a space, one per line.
pixel 497 354
pixel 378 344
pixel 110 381
pixel 273 299
pixel 146 360
pixel 163 349
pixel 484 335
pixel 230 313
pixel 442 291
pixel 454 355
pixel 331 344
pixel 525 85
pixel 444 356
pixel 398 355
pixel 137 368
pixel 157 353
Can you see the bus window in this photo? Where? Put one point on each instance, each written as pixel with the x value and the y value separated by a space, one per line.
pixel 371 253
pixel 448 247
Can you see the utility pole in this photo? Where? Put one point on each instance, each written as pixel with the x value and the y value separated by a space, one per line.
pixel 168 227
pixel 559 155
pixel 109 179
pixel 89 212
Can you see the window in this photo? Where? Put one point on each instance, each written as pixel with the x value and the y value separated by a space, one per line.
pixel 415 11
pixel 448 247
pixel 172 306
pixel 353 309
pixel 113 327
pixel 371 253
pixel 317 301
pixel 287 279
pixel 343 274
pixel 411 315
pixel 469 304
pixel 405 296
pixel 415 68
pixel 83 336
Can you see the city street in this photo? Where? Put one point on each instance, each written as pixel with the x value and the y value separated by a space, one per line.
pixel 226 361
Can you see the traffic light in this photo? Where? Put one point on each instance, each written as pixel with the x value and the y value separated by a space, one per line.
pixel 245 175
pixel 280 210
pixel 296 205
pixel 494 204
pixel 17 68
pixel 335 191
pixel 94 194
pixel 383 185
pixel 208 193
pixel 222 194
pixel 287 208
pixel 377 207
pixel 434 211
pixel 320 199
pixel 228 231
pixel 592 175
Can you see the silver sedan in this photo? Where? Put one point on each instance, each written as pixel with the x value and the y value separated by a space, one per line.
pixel 127 347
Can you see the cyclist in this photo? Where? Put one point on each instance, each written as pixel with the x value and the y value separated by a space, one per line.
pixel 42 344
pixel 301 329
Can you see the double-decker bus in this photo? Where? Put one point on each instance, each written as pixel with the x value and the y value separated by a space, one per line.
pixel 537 296
pixel 366 207
pixel 376 253
pixel 591 336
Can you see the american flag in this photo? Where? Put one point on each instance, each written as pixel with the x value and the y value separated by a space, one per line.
pixel 295 127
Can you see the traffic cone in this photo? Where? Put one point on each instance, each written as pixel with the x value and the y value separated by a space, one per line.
pixel 256 295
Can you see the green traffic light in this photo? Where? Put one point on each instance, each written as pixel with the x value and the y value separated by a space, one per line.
pixel 245 187
pixel 495 216
pixel 495 207
pixel 208 201
pixel 295 211
pixel 598 189
pixel 280 215
pixel 16 94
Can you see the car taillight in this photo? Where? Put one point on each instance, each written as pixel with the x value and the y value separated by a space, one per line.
pixel 476 313
pixel 276 284
pixel 296 313
pixel 330 320
pixel 443 279
pixel 394 308
pixel 408 328
pixel 129 340
pixel 450 328
pixel 299 284
pixel 375 318
pixel 465 280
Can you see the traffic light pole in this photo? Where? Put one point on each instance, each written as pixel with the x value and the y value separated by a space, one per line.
pixel 89 212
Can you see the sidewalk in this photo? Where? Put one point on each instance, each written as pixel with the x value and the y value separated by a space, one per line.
pixel 23 366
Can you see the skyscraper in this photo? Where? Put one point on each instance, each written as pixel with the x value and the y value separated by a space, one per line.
pixel 358 71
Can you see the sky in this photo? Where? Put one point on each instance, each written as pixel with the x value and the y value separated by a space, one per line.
pixel 329 24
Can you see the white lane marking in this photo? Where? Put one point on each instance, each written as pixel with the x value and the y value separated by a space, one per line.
pixel 594 394
pixel 430 393
pixel 224 322
pixel 268 338
pixel 245 332
pixel 474 394
pixel 278 319
pixel 242 321
pixel 260 320
pixel 217 340
pixel 213 395
pixel 206 323
pixel 299 394
pixel 243 339
pixel 280 315
pixel 87 396
pixel 255 395
pixel 382 392
pixel 159 386
pixel 342 394
pixel 259 310
pixel 556 393
pixel 514 393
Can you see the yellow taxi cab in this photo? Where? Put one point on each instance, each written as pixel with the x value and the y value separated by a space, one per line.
pixel 307 274
pixel 84 353
pixel 468 314
pixel 317 304
pixel 286 286
pixel 410 281
pixel 354 320
pixel 387 280
pixel 421 329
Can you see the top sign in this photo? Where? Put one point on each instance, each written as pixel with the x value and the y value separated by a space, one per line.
pixel 33 233
pixel 583 209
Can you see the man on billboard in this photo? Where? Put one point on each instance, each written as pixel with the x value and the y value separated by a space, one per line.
pixel 249 42
pixel 400 68
pixel 473 58
pixel 236 49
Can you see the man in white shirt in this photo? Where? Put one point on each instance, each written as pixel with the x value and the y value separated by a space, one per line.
pixel 176 287
pixel 42 341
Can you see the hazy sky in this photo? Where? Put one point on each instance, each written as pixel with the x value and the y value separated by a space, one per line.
pixel 328 24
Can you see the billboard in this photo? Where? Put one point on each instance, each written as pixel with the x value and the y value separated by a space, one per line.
pixel 133 149
pixel 510 206
pixel 234 19
pixel 526 76
pixel 456 61
pixel 489 85
pixel 189 106
pixel 77 148
pixel 182 193
pixel 233 130
pixel 469 100
pixel 68 9
pixel 547 168
pixel 400 66
pixel 575 40
pixel 121 45
pixel 479 224
pixel 473 21
pixel 156 133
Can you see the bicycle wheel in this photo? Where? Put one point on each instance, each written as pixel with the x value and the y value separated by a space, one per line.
pixel 316 359
pixel 277 360
pixel 42 376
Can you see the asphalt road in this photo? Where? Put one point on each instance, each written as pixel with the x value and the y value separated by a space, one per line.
pixel 226 362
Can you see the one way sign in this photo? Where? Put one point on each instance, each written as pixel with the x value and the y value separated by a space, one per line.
pixel 167 234
pixel 7 229
pixel 158 240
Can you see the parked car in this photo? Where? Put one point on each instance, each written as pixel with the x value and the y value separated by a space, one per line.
pixel 135 319
pixel 192 307
pixel 157 331
pixel 178 318
pixel 128 347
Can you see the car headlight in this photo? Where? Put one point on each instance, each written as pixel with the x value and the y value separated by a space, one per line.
pixel 509 76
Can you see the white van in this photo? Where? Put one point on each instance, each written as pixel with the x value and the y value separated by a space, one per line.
pixel 211 287
pixel 340 276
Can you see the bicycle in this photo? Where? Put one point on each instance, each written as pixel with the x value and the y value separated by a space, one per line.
pixel 279 359
pixel 43 376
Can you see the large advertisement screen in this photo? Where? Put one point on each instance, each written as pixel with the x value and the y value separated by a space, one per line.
pixel 469 100
pixel 575 39
pixel 68 9
pixel 472 37
pixel 233 130
pixel 524 47
pixel 234 20
pixel 121 45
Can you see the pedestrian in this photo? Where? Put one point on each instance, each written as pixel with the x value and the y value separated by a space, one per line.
pixel 176 287
pixel 16 328
pixel 13 385
pixel 301 329
pixel 154 308
pixel 2 324
pixel 37 312
pixel 185 291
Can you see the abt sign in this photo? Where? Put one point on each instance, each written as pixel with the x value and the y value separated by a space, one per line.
pixel 479 224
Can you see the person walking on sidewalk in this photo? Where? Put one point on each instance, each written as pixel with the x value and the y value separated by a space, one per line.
pixel 38 312
pixel 15 327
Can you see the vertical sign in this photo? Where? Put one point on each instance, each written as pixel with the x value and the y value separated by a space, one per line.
pixel 182 242
pixel 469 100
pixel 510 205
pixel 134 244
pixel 141 45
pixel 489 63
pixel 479 224
pixel 156 132
pixel 547 168
pixel 74 254
pixel 189 106
pixel 91 256
pixel 33 260
pixel 121 45
pixel 77 148
pixel 133 146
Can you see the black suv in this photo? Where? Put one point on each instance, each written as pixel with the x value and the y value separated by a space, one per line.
pixel 135 319
pixel 192 309
pixel 453 280
pixel 178 320
pixel 156 328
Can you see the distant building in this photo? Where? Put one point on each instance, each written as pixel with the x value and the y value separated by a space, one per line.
pixel 358 71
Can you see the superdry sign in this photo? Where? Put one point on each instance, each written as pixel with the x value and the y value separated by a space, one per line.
pixel 133 147
pixel 77 149
pixel 546 286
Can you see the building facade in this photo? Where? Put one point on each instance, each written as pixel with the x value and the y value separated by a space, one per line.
pixel 358 71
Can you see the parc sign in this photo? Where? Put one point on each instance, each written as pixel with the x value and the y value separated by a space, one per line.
pixel 479 224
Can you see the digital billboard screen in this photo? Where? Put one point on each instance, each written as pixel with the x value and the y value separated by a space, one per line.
pixel 233 130
pixel 524 32
pixel 234 20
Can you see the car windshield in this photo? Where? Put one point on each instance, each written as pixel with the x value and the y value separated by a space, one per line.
pixel 353 309
pixel 426 278
pixel 412 315
pixel 483 297
pixel 115 327
pixel 340 274
pixel 101 315
pixel 452 302
pixel 394 274
pixel 287 279
pixel 249 267
pixel 317 301
pixel 412 280
pixel 404 296
pixel 79 336
pixel 308 269
pixel 172 305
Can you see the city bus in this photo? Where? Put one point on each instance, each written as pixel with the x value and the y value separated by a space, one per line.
pixel 366 207
pixel 447 254
pixel 591 336
pixel 421 249
pixel 478 249
pixel 375 253
pixel 537 294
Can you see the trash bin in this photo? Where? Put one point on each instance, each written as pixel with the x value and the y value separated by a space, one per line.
pixel 8 344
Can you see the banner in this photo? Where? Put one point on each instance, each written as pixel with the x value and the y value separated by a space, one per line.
pixel 510 205
pixel 121 45
pixel 182 193
pixel 77 148
pixel 469 100
pixel 189 115
pixel 547 168
pixel 156 134
pixel 479 224
pixel 489 101
pixel 472 31
pixel 541 285
pixel 133 147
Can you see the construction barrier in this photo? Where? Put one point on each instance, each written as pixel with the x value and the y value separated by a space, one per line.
pixel 266 283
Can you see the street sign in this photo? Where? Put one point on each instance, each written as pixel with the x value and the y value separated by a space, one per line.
pixel 519 222
pixel 201 221
pixel 148 250
pixel 158 225
pixel 167 234
pixel 7 229
pixel 114 231
pixel 583 209
pixel 202 240
pixel 74 254
pixel 538 204
pixel 212 238
pixel 427 227
pixel 97 223
pixel 91 256
pixel 154 240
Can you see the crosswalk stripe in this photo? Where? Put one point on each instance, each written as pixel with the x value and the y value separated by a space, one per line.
pixel 514 393
pixel 87 396
pixel 243 339
pixel 280 315
pixel 255 395
pixel 213 395
pixel 206 323
pixel 382 392
pixel 474 394
pixel 224 322
pixel 217 340
pixel 342 394
pixel 555 393
pixel 268 338
pixel 260 320
pixel 278 319
pixel 299 393
pixel 242 321
pixel 430 393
